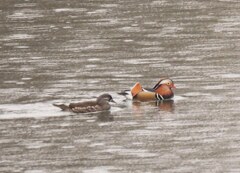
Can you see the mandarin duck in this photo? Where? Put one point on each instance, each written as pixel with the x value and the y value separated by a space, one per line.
pixel 100 104
pixel 161 91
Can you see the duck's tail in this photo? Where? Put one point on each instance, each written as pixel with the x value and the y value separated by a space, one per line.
pixel 62 106
pixel 129 94
pixel 126 93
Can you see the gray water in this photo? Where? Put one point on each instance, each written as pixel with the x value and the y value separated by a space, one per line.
pixel 66 51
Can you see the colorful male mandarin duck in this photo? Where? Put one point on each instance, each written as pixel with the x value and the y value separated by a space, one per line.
pixel 161 91
pixel 100 104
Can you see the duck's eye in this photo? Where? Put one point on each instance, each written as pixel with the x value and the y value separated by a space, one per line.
pixel 168 83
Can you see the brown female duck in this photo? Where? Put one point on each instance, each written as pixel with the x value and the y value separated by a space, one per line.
pixel 100 104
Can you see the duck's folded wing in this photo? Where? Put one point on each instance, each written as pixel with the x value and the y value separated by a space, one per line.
pixel 86 109
pixel 148 89
pixel 82 104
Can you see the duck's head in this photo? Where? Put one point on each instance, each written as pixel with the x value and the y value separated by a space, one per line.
pixel 165 81
pixel 105 97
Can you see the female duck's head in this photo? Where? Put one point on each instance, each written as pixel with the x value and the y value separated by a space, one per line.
pixel 105 98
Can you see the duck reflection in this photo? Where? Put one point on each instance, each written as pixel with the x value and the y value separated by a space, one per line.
pixel 166 105
pixel 105 116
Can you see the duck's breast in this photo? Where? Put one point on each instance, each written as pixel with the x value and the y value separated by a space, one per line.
pixel 164 91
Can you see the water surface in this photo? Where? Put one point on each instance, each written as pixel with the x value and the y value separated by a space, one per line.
pixel 65 51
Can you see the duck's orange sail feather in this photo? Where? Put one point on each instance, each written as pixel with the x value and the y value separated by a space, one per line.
pixel 137 88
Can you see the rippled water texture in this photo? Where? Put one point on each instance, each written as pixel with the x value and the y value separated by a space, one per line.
pixel 68 50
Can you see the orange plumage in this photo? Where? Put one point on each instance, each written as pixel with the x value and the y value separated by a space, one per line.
pixel 162 90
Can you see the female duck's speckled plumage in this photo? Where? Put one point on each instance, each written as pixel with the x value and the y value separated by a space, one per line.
pixel 100 104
